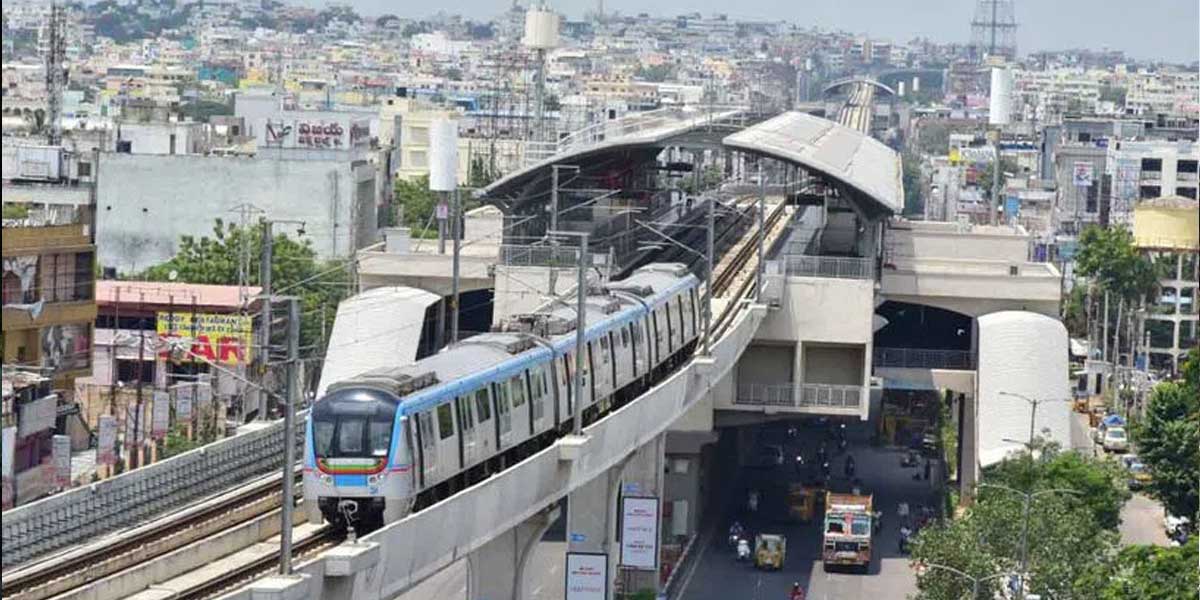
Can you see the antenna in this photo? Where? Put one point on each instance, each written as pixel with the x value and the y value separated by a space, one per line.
pixel 56 73
pixel 994 29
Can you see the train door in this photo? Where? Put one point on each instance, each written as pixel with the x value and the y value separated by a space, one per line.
pixel 520 408
pixel 503 414
pixel 429 455
pixel 466 431
pixel 447 441
pixel 488 440
pixel 680 331
pixel 658 327
pixel 539 393
pixel 566 390
pixel 623 359
pixel 603 368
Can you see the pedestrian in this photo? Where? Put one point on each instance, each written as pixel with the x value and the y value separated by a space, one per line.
pixel 927 468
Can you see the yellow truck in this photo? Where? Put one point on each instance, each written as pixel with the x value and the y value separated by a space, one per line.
pixel 847 530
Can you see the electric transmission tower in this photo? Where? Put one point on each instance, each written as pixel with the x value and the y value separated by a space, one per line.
pixel 56 73
pixel 994 29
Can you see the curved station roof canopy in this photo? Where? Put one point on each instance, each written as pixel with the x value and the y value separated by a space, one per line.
pixel 861 164
pixel 863 168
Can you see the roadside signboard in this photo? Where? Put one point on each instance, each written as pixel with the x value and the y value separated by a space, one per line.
pixel 106 444
pixel 639 532
pixel 587 576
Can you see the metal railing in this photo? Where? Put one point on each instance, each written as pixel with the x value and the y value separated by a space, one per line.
pixel 539 256
pixel 918 358
pixel 799 395
pixel 838 267
pixel 65 292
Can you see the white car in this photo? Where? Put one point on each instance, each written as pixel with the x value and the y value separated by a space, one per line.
pixel 1113 439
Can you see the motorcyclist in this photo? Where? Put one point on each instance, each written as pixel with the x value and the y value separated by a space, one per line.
pixel 752 501
pixel 797 592
pixel 905 533
pixel 825 469
pixel 799 463
pixel 849 466
pixel 735 532
pixel 743 549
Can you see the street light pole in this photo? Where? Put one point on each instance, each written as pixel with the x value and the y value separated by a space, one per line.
pixel 975 581
pixel 1029 496
pixel 264 280
pixel 289 436
pixel 762 233
pixel 455 236
pixel 708 275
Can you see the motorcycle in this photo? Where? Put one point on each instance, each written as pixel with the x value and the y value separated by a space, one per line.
pixel 911 459
pixel 825 469
pixel 905 534
pixel 743 550
pixel 849 471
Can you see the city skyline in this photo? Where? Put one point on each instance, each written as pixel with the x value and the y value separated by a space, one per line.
pixel 1070 24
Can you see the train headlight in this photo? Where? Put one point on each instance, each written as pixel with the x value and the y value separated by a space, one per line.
pixel 371 479
pixel 327 479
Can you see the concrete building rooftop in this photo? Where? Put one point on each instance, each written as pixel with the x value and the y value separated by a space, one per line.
pixel 165 292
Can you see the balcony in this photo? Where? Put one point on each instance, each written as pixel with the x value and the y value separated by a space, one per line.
pixel 803 397
pixel 48 305
pixel 917 358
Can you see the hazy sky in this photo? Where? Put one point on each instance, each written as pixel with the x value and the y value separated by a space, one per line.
pixel 1146 29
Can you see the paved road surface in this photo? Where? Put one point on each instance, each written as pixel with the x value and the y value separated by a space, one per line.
pixel 719 577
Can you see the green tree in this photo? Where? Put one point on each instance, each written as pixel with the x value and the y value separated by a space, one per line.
pixel 1115 94
pixel 1168 441
pixel 295 270
pixel 416 203
pixel 1067 535
pixel 654 73
pixel 1075 311
pixel 1146 572
pixel 1107 256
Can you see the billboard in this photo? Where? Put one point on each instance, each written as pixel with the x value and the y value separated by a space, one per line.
pixel 639 532
pixel 185 394
pixel 207 337
pixel 1081 174
pixel 317 133
pixel 106 446
pixel 160 411
pixel 60 452
pixel 587 576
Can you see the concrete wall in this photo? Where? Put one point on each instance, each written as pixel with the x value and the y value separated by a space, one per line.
pixel 767 364
pixel 145 203
pixel 833 365
pixel 924 241
pixel 822 310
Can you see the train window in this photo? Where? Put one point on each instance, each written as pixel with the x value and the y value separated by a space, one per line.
pixel 517 384
pixel 503 412
pixel 625 337
pixel 604 350
pixel 482 408
pixel 538 383
pixel 379 435
pixel 465 422
pixel 445 421
pixel 353 424
pixel 425 422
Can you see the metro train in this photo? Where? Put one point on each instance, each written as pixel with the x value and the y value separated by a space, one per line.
pixel 395 439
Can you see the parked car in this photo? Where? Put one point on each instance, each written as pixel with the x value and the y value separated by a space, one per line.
pixel 1113 439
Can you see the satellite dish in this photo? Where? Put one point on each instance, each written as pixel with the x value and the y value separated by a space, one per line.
pixel 173 275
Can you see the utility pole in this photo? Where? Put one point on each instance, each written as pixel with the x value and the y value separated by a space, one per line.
pixel 762 233
pixel 554 181
pixel 289 436
pixel 264 278
pixel 710 217
pixel 136 455
pixel 580 326
pixel 454 289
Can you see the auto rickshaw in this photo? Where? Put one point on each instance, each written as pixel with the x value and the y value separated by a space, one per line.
pixel 769 551
pixel 802 502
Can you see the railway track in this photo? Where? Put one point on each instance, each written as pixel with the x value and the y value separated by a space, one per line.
pixel 236 578
pixel 71 571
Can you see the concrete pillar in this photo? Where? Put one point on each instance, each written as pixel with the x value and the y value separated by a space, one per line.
pixel 497 570
pixel 968 435
pixel 797 373
pixel 592 509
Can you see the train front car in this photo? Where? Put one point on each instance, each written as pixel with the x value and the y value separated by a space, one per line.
pixel 356 461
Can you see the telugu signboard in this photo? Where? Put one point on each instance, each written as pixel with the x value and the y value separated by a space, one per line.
pixel 639 533
pixel 587 576
pixel 316 133
pixel 208 337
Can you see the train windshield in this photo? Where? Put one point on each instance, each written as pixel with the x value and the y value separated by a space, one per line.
pixel 353 424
